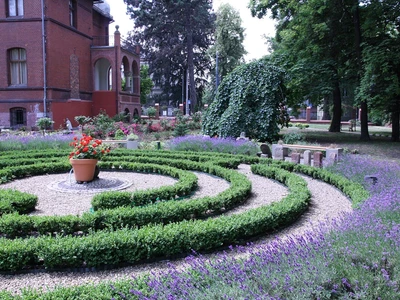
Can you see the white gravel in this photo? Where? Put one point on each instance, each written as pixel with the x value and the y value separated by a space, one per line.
pixel 327 202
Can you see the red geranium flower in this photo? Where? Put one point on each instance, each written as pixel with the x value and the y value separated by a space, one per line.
pixel 88 148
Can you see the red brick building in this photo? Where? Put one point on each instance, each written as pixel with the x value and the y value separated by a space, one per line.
pixel 58 60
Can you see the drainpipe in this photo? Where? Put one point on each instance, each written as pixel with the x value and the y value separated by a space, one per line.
pixel 44 63
pixel 117 47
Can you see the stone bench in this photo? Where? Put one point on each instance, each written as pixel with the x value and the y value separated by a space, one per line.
pixel 114 141
pixel 281 152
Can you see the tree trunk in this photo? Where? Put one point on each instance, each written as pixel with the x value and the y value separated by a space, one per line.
pixel 364 136
pixel 325 113
pixel 396 121
pixel 189 43
pixel 337 109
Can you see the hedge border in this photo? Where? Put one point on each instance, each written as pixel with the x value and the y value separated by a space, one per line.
pixel 131 246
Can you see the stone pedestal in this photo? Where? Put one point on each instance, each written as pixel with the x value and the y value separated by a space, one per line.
pixel 308 114
pixel 157 107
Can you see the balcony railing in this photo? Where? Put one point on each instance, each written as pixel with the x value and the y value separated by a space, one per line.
pixel 105 40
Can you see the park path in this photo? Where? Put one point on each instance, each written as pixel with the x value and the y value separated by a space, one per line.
pixel 327 203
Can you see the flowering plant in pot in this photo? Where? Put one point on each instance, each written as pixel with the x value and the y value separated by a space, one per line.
pixel 87 151
pixel 88 148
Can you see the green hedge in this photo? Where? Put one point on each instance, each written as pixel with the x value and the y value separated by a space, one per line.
pixel 129 245
pixel 153 241
pixel 16 201
pixel 353 190
pixel 15 225
pixel 187 184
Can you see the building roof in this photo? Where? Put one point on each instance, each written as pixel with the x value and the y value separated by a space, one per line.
pixel 101 11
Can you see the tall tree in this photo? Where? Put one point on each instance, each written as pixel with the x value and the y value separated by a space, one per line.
pixel 174 36
pixel 313 35
pixel 380 83
pixel 229 38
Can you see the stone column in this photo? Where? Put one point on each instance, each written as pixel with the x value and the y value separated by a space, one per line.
pixel 181 107
pixel 308 114
pixel 157 107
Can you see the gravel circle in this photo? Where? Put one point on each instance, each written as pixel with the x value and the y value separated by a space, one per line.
pixel 326 201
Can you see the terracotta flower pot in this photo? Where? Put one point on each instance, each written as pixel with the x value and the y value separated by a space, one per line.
pixel 83 169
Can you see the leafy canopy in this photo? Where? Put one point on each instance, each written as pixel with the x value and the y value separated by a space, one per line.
pixel 250 100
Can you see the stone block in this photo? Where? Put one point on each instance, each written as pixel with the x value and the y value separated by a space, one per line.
pixel 278 152
pixel 318 156
pixel 334 153
pixel 295 158
pixel 307 157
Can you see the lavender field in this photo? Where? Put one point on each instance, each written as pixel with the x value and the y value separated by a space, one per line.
pixel 359 258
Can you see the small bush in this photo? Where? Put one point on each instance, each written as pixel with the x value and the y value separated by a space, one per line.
pixel 293 138
pixel 16 201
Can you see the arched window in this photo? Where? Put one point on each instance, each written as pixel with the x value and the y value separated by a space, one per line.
pixel 17 117
pixel 72 13
pixel 18 72
pixel 15 8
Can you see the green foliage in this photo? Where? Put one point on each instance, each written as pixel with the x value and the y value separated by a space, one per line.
pixel 293 137
pixel 229 37
pixel 119 135
pixel 82 120
pixel 133 236
pixel 146 84
pixel 126 245
pixel 151 111
pixel 16 201
pixel 44 123
pixel 188 26
pixel 181 126
pixel 249 100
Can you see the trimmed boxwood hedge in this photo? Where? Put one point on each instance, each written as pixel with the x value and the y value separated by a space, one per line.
pixel 162 212
pixel 153 241
pixel 353 190
pixel 129 245
pixel 16 201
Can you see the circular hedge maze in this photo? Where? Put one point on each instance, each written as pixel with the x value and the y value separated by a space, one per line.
pixel 128 227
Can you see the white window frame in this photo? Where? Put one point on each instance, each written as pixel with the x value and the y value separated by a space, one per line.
pixel 15 8
pixel 18 66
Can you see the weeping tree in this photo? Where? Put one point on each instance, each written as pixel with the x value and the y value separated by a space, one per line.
pixel 250 99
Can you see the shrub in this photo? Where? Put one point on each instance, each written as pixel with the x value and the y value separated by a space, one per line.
pixel 16 201
pixel 151 112
pixel 249 99
pixel 293 137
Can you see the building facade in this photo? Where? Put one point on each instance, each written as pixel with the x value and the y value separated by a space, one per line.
pixel 58 60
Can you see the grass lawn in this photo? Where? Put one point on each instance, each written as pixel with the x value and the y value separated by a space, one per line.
pixel 379 146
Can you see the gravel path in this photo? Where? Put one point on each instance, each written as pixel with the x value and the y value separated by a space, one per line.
pixel 327 201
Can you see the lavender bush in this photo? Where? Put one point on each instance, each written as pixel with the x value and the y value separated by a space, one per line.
pixel 34 141
pixel 225 145
pixel 356 257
